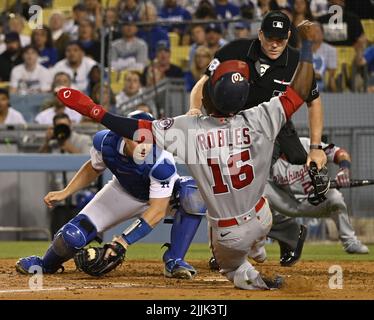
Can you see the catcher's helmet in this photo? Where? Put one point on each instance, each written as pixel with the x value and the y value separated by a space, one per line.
pixel 229 87
pixel 141 115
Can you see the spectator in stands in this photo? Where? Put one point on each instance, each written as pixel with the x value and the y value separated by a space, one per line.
pixel 262 8
pixel 71 26
pixel 369 60
pixel 152 75
pixel 198 39
pixel 226 10
pixel 318 7
pixel 301 12
pixel 144 107
pixel 93 8
pixel 30 77
pixel 280 4
pixel 214 37
pixel 11 57
pixel 242 30
pixel 201 61
pixel 60 38
pixel 7 114
pixel 41 39
pixel 151 34
pixel 324 62
pixel 163 64
pixel 54 106
pixel 349 33
pixel 17 24
pixel 62 137
pixel 171 11
pixel 205 10
pixel 94 77
pixel 129 52
pixel 76 65
pixel 126 8
pixel 87 37
pixel 131 89
pixel 108 101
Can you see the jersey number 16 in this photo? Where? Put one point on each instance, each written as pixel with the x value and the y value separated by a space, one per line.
pixel 240 176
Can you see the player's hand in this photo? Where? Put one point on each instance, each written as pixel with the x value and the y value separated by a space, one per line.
pixel 55 196
pixel 318 156
pixel 49 134
pixel 194 112
pixel 343 177
pixel 78 101
pixel 110 252
pixel 306 30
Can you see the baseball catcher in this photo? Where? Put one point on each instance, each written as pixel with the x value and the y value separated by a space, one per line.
pixel 144 180
pixel 290 192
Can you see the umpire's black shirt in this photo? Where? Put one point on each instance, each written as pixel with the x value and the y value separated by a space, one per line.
pixel 268 78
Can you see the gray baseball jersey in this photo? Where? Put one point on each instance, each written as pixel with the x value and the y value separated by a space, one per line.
pixel 228 157
pixel 294 179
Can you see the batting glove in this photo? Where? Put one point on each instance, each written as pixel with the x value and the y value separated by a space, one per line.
pixel 343 177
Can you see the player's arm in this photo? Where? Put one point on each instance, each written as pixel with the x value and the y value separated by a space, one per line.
pixel 196 96
pixel 299 89
pixel 158 209
pixel 84 177
pixel 343 159
pixel 315 113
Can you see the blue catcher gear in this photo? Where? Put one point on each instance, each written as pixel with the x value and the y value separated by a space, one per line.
pixel 186 222
pixel 74 235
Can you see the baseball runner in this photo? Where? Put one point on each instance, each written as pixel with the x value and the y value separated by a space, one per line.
pixel 289 185
pixel 144 180
pixel 228 153
pixel 272 64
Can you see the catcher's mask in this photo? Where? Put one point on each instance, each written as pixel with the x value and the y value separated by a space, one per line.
pixel 228 87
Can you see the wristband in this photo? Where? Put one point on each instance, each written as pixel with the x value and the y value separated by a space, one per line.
pixel 306 54
pixel 316 146
pixel 344 164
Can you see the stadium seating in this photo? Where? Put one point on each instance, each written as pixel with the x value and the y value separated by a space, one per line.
pixel 369 29
pixel 117 80
pixel 180 56
pixel 345 57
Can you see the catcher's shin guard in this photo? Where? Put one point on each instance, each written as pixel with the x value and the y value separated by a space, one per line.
pixel 76 234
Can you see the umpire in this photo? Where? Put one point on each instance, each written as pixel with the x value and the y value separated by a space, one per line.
pixel 272 64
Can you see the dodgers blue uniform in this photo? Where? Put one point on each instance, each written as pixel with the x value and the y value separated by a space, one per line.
pixel 126 196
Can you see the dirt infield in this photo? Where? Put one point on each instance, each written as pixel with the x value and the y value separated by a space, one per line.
pixel 143 280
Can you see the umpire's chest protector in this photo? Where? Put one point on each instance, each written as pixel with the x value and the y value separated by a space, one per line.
pixel 133 177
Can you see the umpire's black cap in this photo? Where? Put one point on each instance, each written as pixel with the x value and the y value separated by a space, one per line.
pixel 276 24
pixel 229 87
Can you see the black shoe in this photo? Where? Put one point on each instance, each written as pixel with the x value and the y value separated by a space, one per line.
pixel 288 256
pixel 275 283
pixel 213 265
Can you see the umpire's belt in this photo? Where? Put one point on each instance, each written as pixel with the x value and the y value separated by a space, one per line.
pixel 238 220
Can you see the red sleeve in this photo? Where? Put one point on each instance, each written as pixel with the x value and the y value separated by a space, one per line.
pixel 291 102
pixel 147 125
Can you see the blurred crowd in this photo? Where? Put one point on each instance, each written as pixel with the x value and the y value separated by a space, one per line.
pixel 140 37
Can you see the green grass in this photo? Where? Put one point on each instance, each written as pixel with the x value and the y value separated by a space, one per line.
pixel 153 251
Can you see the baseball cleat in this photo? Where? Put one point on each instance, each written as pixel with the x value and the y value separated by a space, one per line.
pixel 213 264
pixel 179 269
pixel 288 256
pixel 276 283
pixel 32 264
pixel 356 247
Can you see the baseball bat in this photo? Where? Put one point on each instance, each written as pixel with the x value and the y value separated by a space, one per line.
pixel 353 183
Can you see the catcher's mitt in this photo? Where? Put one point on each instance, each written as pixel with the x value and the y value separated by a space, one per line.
pixel 321 184
pixel 92 262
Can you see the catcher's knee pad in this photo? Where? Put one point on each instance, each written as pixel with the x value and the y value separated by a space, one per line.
pixel 78 232
pixel 190 198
